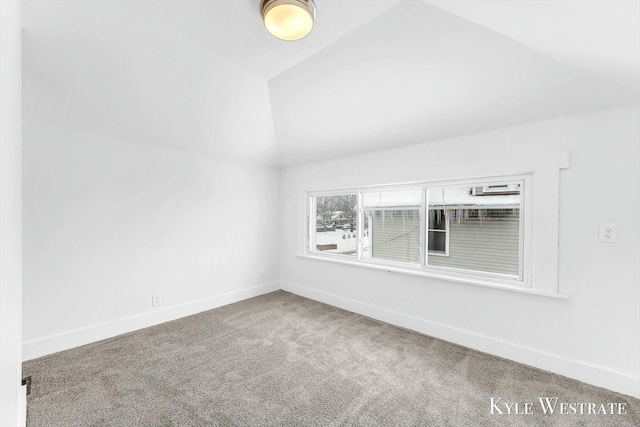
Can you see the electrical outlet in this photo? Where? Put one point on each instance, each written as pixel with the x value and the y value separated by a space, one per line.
pixel 608 232
pixel 261 273
pixel 156 300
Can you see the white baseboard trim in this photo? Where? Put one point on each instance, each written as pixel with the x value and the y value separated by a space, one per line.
pixel 66 340
pixel 577 369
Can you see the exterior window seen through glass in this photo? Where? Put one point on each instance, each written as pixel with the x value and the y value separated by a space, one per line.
pixel 437 235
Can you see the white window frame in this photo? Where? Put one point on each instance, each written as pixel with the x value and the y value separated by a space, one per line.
pixel 540 200
pixel 311 225
pixel 524 277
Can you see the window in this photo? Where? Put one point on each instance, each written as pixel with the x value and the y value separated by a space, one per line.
pixel 335 224
pixel 500 231
pixel 392 225
pixel 437 232
pixel 472 229
pixel 477 226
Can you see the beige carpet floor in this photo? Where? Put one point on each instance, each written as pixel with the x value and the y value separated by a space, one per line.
pixel 283 360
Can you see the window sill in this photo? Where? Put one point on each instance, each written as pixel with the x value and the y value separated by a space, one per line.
pixel 438 254
pixel 487 283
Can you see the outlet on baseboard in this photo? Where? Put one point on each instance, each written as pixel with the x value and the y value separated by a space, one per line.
pixel 156 300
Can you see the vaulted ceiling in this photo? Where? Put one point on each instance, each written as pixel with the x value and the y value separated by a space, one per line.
pixel 204 75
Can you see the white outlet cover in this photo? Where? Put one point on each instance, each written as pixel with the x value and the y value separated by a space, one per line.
pixel 156 300
pixel 608 232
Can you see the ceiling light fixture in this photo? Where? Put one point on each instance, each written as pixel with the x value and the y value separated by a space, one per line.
pixel 288 19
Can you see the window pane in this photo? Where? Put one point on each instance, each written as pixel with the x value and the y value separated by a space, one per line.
pixel 437 220
pixel 437 241
pixel 483 227
pixel 392 225
pixel 336 224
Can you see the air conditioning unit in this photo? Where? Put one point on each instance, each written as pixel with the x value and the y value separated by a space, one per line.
pixel 496 190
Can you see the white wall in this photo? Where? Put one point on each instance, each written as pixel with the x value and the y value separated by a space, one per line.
pixel 108 223
pixel 592 336
pixel 12 398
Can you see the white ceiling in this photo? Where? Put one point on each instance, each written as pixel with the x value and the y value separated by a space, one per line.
pixel 203 75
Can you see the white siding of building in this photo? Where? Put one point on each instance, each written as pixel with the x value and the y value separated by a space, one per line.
pixel 489 244
pixel 395 235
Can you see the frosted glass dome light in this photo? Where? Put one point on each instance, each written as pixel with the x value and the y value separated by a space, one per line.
pixel 288 19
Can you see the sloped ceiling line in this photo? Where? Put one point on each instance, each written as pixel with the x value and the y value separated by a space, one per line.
pixel 205 76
